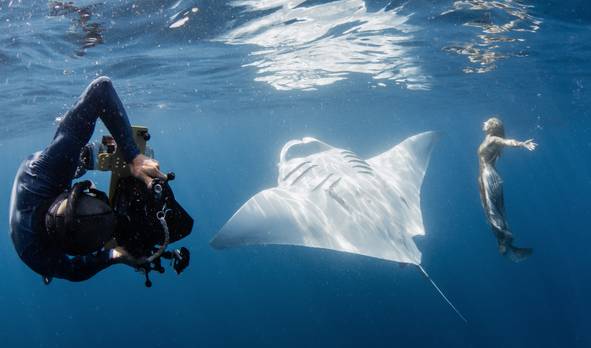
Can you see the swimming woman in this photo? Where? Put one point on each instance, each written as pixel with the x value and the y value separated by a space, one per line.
pixel 491 186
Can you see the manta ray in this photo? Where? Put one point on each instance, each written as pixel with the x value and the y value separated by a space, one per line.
pixel 330 198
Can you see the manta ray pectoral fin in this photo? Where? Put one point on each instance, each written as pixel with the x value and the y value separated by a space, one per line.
pixel 273 216
pixel 403 168
pixel 408 160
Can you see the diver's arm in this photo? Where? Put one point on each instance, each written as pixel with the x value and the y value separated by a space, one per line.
pixel 112 113
pixel 120 255
pixel 100 99
pixel 58 162
pixel 528 144
pixel 81 268
pixel 106 104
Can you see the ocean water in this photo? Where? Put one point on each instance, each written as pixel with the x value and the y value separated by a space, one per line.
pixel 222 85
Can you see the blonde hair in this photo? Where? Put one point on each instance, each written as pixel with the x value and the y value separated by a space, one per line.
pixel 494 126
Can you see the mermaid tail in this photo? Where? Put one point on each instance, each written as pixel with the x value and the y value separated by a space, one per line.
pixel 493 203
pixel 516 254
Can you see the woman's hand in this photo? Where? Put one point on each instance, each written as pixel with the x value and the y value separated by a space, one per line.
pixel 146 169
pixel 529 144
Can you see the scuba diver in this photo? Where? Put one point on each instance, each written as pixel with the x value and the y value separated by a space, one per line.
pixel 74 232
pixel 491 186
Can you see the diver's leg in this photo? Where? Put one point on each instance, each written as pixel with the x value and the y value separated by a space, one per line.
pixel 49 262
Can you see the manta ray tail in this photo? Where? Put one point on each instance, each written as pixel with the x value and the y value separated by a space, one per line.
pixel 442 294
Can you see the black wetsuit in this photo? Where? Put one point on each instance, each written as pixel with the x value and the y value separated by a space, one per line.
pixel 46 174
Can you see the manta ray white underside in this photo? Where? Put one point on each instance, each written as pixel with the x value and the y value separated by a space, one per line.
pixel 330 198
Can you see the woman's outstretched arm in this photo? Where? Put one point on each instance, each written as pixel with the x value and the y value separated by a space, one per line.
pixel 528 144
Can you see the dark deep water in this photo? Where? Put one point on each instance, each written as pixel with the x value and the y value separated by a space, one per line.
pixel 223 85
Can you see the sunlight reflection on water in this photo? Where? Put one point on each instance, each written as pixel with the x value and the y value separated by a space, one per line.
pixel 307 47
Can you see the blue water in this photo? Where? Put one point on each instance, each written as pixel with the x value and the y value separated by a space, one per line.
pixel 223 85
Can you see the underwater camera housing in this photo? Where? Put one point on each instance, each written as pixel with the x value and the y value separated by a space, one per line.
pixel 147 219
pixel 108 159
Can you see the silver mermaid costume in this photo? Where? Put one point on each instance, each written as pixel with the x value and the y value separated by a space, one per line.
pixel 491 195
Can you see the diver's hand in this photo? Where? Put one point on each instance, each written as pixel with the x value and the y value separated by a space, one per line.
pixel 529 144
pixel 120 255
pixel 146 169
